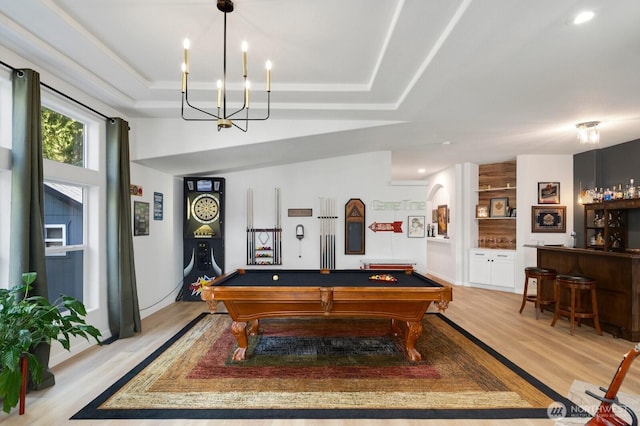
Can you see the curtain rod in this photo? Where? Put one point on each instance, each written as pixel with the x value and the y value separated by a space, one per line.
pixel 64 95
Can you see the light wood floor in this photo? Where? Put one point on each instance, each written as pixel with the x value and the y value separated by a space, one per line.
pixel 550 354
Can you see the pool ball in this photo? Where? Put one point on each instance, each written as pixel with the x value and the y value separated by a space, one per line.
pixel 275 277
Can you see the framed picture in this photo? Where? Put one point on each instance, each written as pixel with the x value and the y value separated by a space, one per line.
pixel 442 220
pixel 499 207
pixel 416 227
pixel 434 216
pixel 548 219
pixel 482 211
pixel 140 218
pixel 548 192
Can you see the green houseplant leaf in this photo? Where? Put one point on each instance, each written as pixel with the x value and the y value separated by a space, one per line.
pixel 27 321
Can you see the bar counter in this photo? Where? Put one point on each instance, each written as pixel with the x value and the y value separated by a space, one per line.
pixel 618 283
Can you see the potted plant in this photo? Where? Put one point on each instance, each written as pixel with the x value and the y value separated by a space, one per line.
pixel 27 321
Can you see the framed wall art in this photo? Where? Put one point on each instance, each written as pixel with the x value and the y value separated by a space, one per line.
pixel 499 207
pixel 416 227
pixel 548 192
pixel 442 219
pixel 548 219
pixel 140 218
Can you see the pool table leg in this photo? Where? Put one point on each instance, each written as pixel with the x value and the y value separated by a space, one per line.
pixel 411 335
pixel 253 327
pixel 240 331
pixel 414 331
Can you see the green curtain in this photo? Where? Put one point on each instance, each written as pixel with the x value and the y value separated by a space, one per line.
pixel 124 312
pixel 27 196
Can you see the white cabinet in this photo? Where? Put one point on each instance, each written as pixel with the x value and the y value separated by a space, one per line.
pixel 492 267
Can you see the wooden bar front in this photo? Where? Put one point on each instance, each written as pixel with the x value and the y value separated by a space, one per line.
pixel 618 284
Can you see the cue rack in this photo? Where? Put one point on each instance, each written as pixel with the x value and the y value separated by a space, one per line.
pixel 328 220
pixel 264 245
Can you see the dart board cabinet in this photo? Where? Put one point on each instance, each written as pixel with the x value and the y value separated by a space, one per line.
pixel 203 226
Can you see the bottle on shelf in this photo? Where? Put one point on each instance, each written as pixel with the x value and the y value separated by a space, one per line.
pixel 588 197
pixel 632 189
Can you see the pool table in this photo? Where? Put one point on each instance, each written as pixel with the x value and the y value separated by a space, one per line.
pixel 252 294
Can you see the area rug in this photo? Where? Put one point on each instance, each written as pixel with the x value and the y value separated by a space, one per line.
pixel 323 368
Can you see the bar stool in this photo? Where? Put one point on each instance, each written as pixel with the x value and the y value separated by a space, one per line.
pixel 577 285
pixel 540 274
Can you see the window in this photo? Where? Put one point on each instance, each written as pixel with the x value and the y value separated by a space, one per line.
pixel 5 174
pixel 62 138
pixel 64 239
pixel 71 139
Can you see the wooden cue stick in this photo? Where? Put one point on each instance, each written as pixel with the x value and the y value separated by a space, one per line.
pixel 329 235
pixel 322 262
pixel 333 230
pixel 322 259
pixel 321 232
pixel 324 233
pixel 329 243
pixel 253 247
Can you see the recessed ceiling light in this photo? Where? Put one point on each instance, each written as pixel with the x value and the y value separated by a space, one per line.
pixel 422 171
pixel 583 17
pixel 446 143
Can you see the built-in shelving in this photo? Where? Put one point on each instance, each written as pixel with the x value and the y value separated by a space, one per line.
pixel 497 180
pixel 605 224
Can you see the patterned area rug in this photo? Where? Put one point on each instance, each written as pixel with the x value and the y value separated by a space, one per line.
pixel 323 368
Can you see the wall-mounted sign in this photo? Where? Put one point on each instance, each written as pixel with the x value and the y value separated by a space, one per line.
pixel 300 212
pixel 407 205
pixel 135 190
pixel 157 205
pixel 386 227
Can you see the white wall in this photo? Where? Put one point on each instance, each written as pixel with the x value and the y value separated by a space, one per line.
pixel 441 253
pixel 364 176
pixel 532 169
pixel 158 256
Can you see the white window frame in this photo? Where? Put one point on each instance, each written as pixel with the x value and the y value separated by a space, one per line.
pixel 92 180
pixel 6 115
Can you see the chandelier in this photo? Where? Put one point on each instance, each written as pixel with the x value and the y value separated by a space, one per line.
pixel 221 116
pixel 588 132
